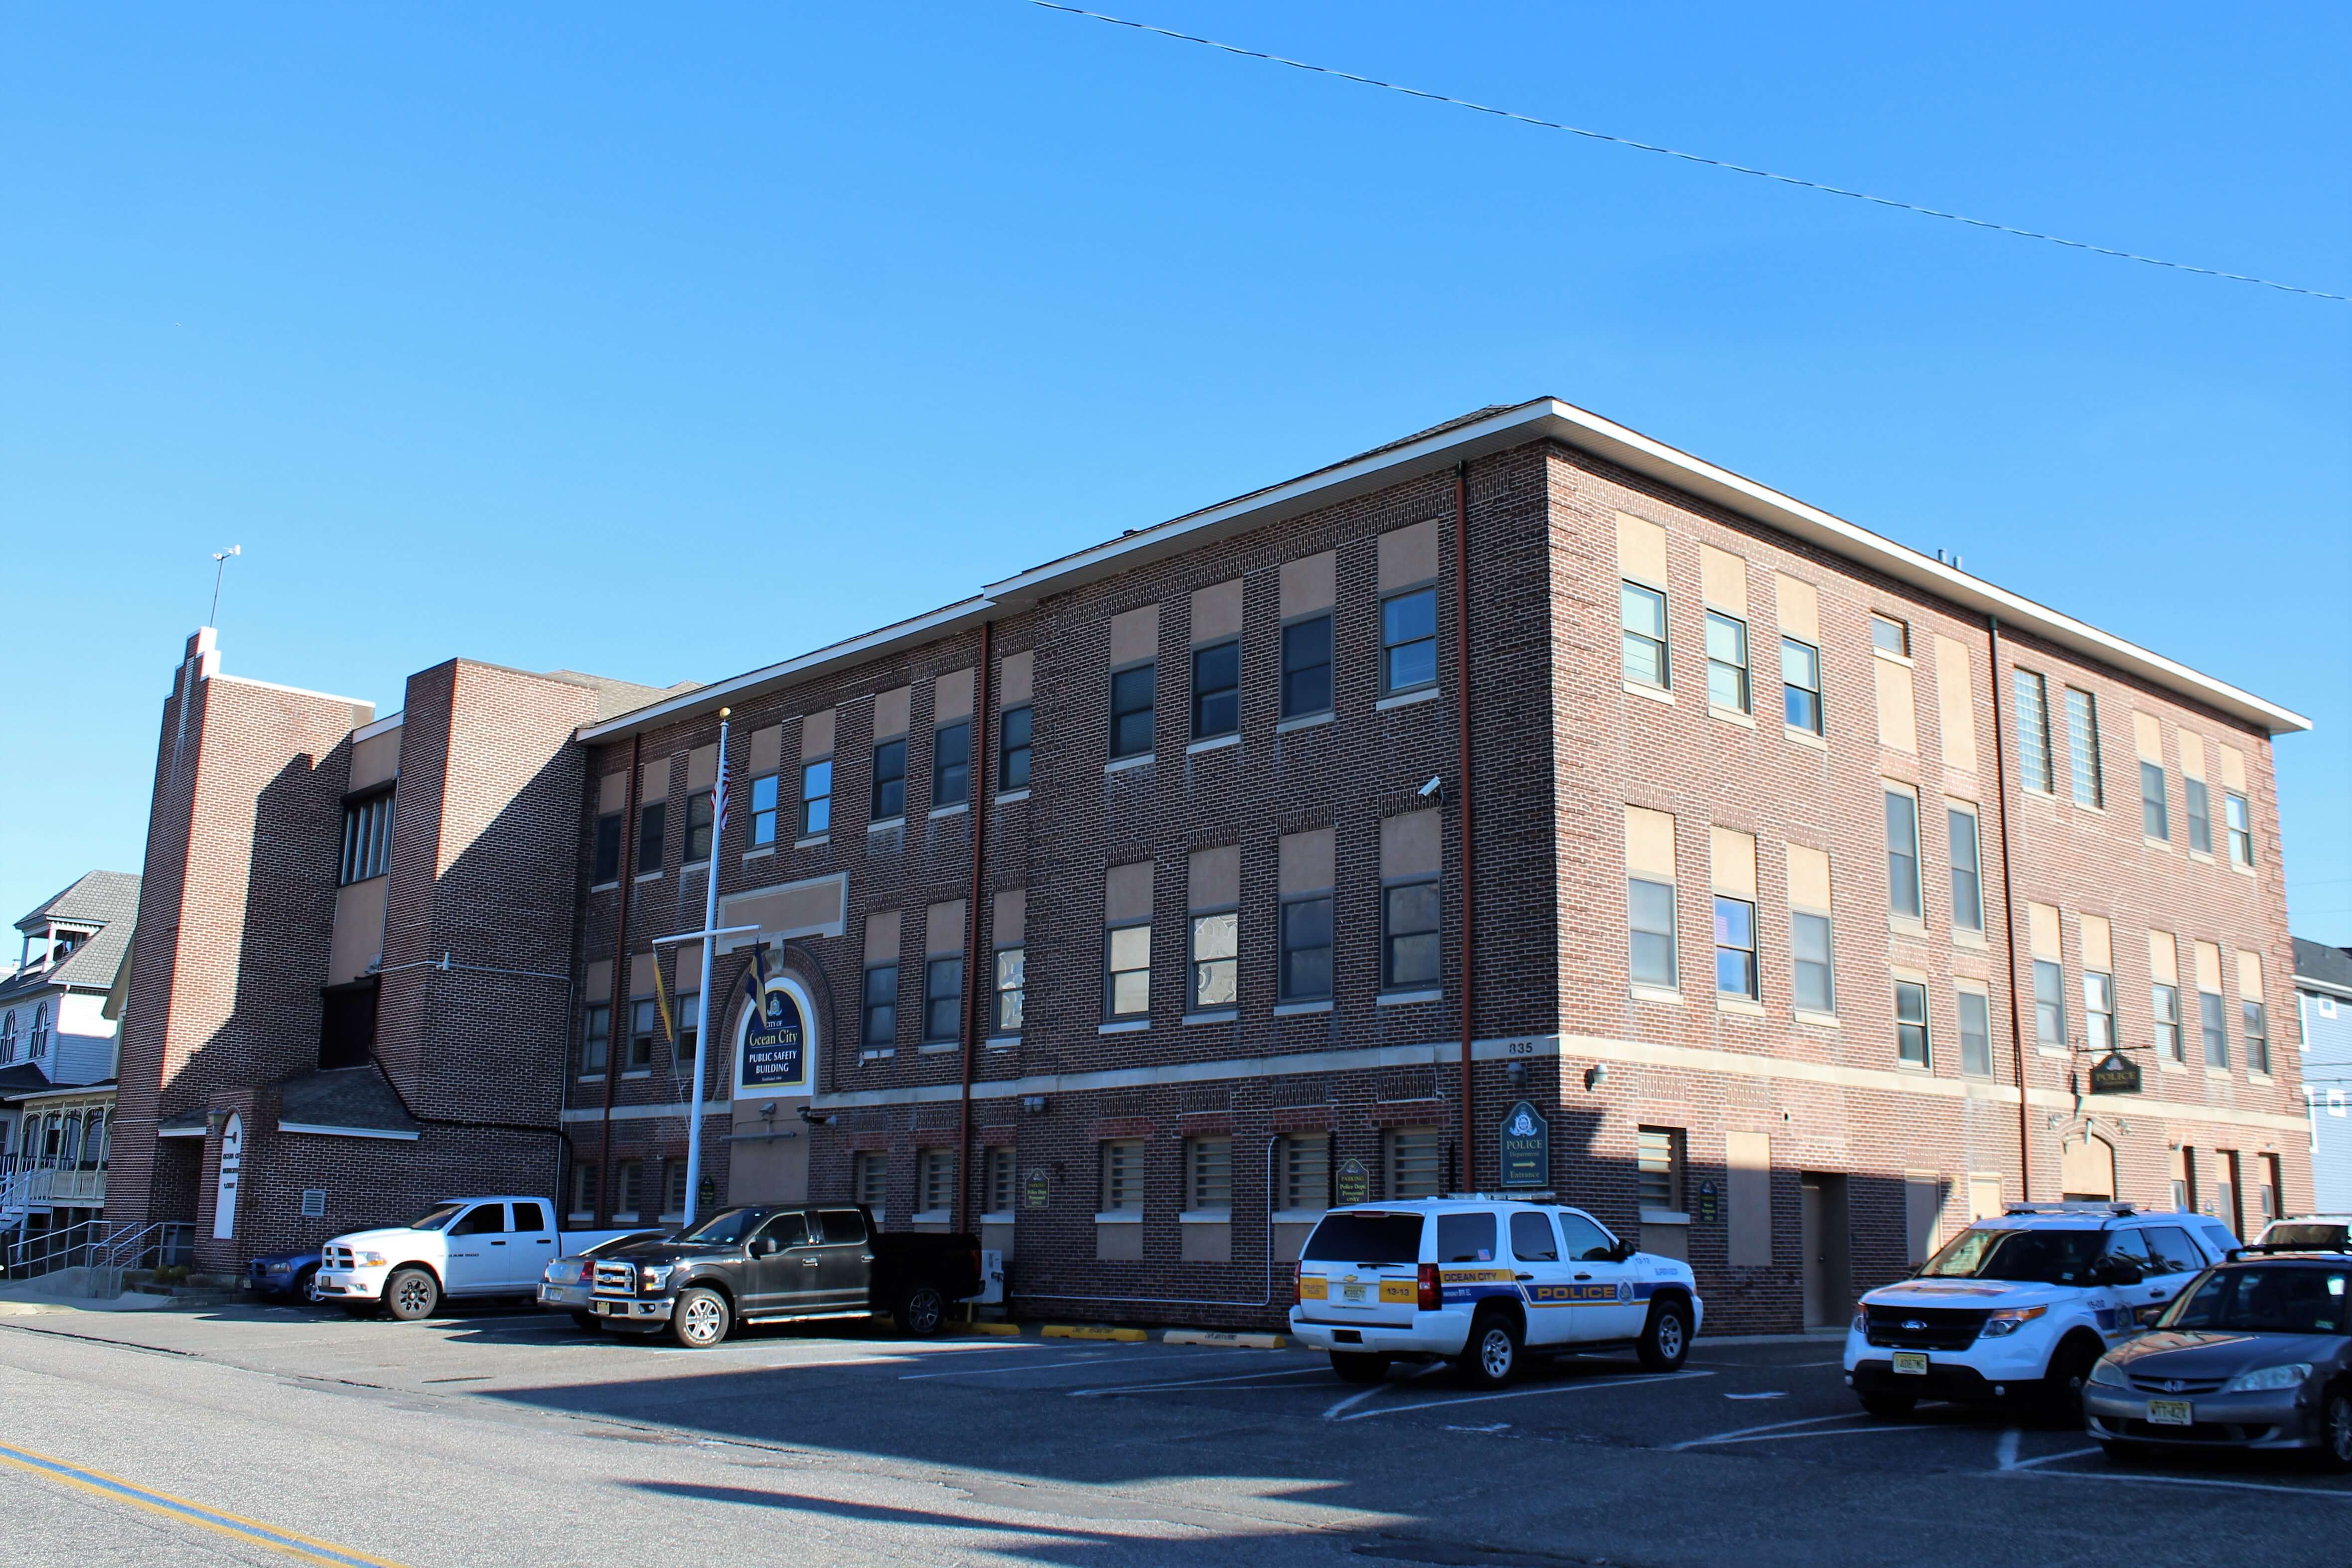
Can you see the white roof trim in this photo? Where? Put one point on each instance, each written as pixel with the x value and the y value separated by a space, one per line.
pixel 1543 418
pixel 346 1132
pixel 369 731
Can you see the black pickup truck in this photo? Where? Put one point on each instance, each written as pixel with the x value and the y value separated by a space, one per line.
pixel 782 1263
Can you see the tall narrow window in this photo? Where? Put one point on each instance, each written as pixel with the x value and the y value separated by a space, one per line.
pixel 870 1181
pixel 2098 1012
pixel 1976 1034
pixel 1307 667
pixel 952 764
pixel 1809 948
pixel 605 863
pixel 1413 1162
pixel 763 811
pixel 1122 1176
pixel 1651 911
pixel 2049 1003
pixel 699 820
pixel 1889 635
pixel 2199 801
pixel 816 798
pixel 1409 641
pixel 652 817
pixel 2164 1004
pixel 688 1010
pixel 935 1175
pixel 1130 712
pixel 644 1027
pixel 628 1181
pixel 1216 948
pixel 943 1000
pixel 1306 948
pixel 2032 732
pixel 1306 1171
pixel 1409 946
pixel 2239 823
pixel 1209 1172
pixel 1012 988
pixel 1642 612
pixel 880 1028
pixel 1910 1023
pixel 1801 686
pixel 2083 747
pixel 996 1180
pixel 1127 959
pixel 367 839
pixel 2254 1022
pixel 1658 1167
pixel 1967 872
pixel 1216 690
pixel 890 780
pixel 596 1040
pixel 2155 820
pixel 1727 662
pixel 1903 855
pixel 1013 763
pixel 1734 947
pixel 2215 1026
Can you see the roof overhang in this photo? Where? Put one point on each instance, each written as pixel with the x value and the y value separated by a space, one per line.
pixel 1543 419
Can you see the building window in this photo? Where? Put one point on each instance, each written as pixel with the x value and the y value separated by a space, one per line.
pixel 763 811
pixel 943 1000
pixel 8 1037
pixel 1910 1024
pixel 2201 812
pixel 698 814
pixel 1012 762
pixel 596 1040
pixel 1735 948
pixel 1809 945
pixel 935 1175
pixel 1409 943
pixel 1012 985
pixel 688 1013
pixel 652 819
pixel 2049 1003
pixel 2255 1022
pixel 2098 1011
pixel 2083 751
pixel 880 1030
pixel 1409 641
pixel 1209 1172
pixel 36 1044
pixel 1968 872
pixel 1126 971
pixel 996 1180
pixel 1976 1033
pixel 816 798
pixel 870 1181
pixel 605 864
pixel 583 1192
pixel 1216 939
pixel 952 764
pixel 889 779
pixel 1650 909
pixel 629 1180
pixel 1641 613
pixel 1122 1176
pixel 1903 855
pixel 1413 1162
pixel 1307 667
pixel 1306 1171
pixel 2240 827
pixel 2163 1005
pixel 2215 1024
pixel 1889 635
pixel 1801 686
pixel 367 838
pixel 674 1190
pixel 1727 662
pixel 1131 711
pixel 644 1023
pixel 1306 948
pixel 2033 732
pixel 1658 1168
pixel 1216 690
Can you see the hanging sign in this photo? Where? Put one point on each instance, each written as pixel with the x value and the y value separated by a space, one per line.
pixel 1036 1192
pixel 2115 1073
pixel 1352 1183
pixel 1526 1148
pixel 775 1044
pixel 1707 1201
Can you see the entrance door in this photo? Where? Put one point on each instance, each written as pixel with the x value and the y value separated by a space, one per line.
pixel 1829 1295
pixel 477 1252
pixel 844 1260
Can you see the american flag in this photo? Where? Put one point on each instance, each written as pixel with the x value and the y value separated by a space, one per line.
pixel 719 810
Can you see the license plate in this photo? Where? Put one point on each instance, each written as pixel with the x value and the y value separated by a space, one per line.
pixel 1911 1364
pixel 2170 1413
pixel 1351 1292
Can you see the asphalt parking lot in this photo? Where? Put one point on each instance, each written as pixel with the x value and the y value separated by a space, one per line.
pixel 1058 1451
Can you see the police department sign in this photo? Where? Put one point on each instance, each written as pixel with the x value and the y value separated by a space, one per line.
pixel 774 1055
pixel 1526 1148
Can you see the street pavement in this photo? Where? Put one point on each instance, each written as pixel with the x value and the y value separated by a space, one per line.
pixel 252 1434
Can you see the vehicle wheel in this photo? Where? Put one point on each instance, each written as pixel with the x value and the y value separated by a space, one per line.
pixel 411 1294
pixel 302 1283
pixel 1665 1338
pixel 921 1312
pixel 587 1322
pixel 1889 1407
pixel 1491 1358
pixel 1358 1368
pixel 700 1319
pixel 2062 1390
pixel 2124 1453
pixel 2335 1429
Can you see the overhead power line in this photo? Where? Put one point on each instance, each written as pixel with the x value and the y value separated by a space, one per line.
pixel 1685 157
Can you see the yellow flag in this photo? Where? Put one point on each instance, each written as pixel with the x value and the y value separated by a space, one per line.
pixel 661 1000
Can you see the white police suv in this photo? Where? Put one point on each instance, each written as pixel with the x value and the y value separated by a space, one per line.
pixel 1482 1282
pixel 2018 1308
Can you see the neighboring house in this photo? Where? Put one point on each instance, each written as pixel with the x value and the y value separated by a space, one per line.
pixel 59 1013
pixel 2323 984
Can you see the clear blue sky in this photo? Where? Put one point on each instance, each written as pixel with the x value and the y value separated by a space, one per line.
pixel 666 342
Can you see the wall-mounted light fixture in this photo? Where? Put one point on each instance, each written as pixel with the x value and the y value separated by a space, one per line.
pixel 1034 1103
pixel 1595 1076
pixel 814 1120
pixel 1515 1073
pixel 214 1121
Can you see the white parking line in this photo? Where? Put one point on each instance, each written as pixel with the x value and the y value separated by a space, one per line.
pixel 1739 1432
pixel 1773 1393
pixel 1793 1436
pixel 1338 1412
pixel 2107 1476
pixel 2018 1464
pixel 1518 1394
pixel 992 1371
pixel 1195 1382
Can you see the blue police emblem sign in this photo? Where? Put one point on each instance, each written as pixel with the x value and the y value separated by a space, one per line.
pixel 1526 1148
pixel 775 1043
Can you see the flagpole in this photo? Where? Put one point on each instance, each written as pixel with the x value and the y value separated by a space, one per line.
pixel 703 1002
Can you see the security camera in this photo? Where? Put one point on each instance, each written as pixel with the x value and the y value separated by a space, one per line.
pixel 1434 789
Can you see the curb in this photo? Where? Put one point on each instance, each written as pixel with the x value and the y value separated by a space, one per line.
pixel 994 1326
pixel 1090 1331
pixel 1220 1337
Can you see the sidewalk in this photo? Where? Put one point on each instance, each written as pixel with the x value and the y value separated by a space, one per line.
pixel 26 1297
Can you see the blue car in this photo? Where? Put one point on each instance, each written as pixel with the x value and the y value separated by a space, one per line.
pixel 283 1276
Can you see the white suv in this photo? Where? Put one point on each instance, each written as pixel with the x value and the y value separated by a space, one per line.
pixel 1480 1282
pixel 2019 1308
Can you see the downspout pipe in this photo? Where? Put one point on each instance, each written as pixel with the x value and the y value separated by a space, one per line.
pixel 977 996
pixel 613 1023
pixel 1462 798
pixel 2008 922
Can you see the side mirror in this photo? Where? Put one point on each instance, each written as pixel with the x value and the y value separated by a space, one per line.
pixel 1622 1250
pixel 766 1246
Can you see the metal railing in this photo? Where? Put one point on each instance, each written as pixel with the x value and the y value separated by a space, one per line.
pixel 29 1181
pixel 96 1244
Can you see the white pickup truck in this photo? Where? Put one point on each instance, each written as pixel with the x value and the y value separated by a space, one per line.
pixel 460 1248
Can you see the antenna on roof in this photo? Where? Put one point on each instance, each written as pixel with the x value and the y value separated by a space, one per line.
pixel 220 565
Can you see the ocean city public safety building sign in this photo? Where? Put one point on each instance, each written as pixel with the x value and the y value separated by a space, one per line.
pixel 1526 1148
pixel 775 1043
